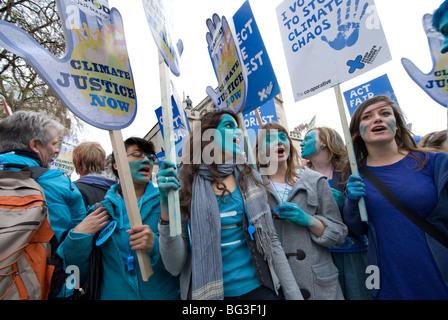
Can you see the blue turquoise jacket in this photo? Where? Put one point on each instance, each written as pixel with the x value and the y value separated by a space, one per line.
pixel 118 282
pixel 65 205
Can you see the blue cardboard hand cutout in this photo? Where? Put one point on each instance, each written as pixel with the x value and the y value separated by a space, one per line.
pixel 232 84
pixel 94 78
pixel 433 83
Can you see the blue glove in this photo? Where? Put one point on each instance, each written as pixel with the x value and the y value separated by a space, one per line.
pixel 355 187
pixel 167 179
pixel 339 197
pixel 291 211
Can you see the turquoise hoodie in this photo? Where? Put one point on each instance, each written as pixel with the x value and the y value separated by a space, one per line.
pixel 118 282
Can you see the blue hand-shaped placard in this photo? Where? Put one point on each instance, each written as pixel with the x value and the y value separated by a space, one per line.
pixel 160 25
pixel 434 83
pixel 348 25
pixel 231 94
pixel 94 78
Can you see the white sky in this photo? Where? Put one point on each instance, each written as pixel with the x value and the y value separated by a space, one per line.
pixel 401 21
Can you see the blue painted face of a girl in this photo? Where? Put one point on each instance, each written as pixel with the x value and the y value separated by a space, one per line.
pixel 227 135
pixel 309 144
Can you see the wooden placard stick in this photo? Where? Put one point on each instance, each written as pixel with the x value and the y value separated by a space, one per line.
pixel 349 146
pixel 130 199
pixel 168 142
pixel 247 145
pixel 257 113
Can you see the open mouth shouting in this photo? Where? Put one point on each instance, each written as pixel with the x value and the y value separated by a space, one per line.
pixel 379 128
pixel 281 152
pixel 144 171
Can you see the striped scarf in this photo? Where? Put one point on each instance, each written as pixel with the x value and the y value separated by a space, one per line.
pixel 207 277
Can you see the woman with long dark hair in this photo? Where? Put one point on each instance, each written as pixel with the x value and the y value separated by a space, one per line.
pixel 411 264
pixel 228 248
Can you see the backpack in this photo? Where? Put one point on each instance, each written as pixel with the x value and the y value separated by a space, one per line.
pixel 27 242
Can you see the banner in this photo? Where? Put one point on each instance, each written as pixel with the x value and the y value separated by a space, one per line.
pixel 434 83
pixel 181 127
pixel 64 161
pixel 94 78
pixel 161 25
pixel 232 80
pixel 312 123
pixel 262 84
pixel 328 42
pixel 378 86
pixel 267 113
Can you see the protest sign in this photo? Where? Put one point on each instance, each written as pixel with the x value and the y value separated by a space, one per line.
pixel 180 128
pixel 378 86
pixel 161 30
pixel 159 20
pixel 327 42
pixel 64 161
pixel 94 78
pixel 262 84
pixel 267 114
pixel 232 80
pixel 312 123
pixel 434 83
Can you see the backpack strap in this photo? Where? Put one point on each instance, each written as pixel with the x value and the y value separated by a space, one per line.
pixel 424 225
pixel 36 172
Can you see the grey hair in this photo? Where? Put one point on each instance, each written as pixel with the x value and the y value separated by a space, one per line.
pixel 18 129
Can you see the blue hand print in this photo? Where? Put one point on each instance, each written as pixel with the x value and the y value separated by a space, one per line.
pixel 348 26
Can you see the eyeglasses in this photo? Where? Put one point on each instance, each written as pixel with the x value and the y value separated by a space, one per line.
pixel 140 155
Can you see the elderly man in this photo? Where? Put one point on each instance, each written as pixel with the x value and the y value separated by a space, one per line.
pixel 31 138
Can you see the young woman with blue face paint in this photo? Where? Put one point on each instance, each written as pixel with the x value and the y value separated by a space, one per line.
pixel 326 153
pixel 305 213
pixel 411 266
pixel 228 248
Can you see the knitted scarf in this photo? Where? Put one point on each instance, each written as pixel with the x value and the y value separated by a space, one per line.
pixel 207 278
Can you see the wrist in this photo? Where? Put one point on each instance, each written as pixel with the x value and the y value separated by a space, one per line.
pixel 164 222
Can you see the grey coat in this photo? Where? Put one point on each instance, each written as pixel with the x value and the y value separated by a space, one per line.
pixel 308 254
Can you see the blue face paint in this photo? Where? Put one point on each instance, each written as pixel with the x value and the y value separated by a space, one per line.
pixel 390 126
pixel 309 144
pixel 276 137
pixel 363 128
pixel 443 27
pixel 138 165
pixel 225 134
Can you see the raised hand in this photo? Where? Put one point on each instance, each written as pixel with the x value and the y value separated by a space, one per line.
pixel 434 82
pixel 167 179
pixel 231 94
pixel 348 25
pixel 94 78
pixel 355 188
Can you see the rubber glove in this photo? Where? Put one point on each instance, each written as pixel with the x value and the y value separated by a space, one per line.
pixel 291 211
pixel 167 179
pixel 355 187
pixel 339 197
